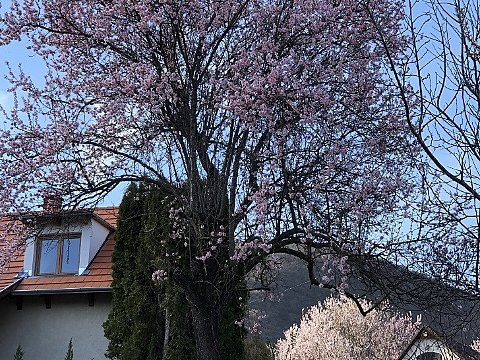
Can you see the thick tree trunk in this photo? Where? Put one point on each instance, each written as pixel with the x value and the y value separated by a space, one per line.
pixel 206 333
pixel 166 337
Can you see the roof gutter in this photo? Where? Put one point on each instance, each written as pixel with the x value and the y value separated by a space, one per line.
pixel 62 291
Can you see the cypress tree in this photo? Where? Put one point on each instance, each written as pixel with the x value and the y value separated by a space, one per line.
pixel 69 355
pixel 18 354
pixel 135 314
pixel 173 304
pixel 232 335
pixel 144 313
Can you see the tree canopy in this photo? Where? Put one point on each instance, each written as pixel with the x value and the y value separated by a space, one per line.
pixel 272 124
pixel 438 82
pixel 276 116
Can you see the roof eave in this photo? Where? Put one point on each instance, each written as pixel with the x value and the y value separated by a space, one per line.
pixel 10 288
pixel 88 290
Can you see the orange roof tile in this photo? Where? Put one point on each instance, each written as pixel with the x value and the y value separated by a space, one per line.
pixel 98 276
pixel 109 214
pixel 14 263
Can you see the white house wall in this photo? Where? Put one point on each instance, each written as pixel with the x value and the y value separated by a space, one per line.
pixel 44 333
pixel 98 235
pixel 28 262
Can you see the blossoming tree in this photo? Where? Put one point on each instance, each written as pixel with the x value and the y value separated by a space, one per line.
pixel 269 123
pixel 336 330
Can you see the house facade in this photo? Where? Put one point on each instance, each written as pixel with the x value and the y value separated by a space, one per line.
pixel 59 287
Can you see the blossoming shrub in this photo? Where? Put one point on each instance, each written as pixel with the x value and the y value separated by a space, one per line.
pixel 337 330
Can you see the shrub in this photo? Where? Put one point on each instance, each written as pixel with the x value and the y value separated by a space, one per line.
pixel 337 330
pixel 69 355
pixel 18 354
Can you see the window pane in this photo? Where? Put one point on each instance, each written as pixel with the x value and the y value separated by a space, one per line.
pixel 48 256
pixel 70 255
pixel 430 356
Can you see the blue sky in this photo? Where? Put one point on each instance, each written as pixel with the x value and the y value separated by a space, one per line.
pixel 15 54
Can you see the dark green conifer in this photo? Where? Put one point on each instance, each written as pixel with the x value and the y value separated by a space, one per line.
pixel 146 316
pixel 18 354
pixel 174 307
pixel 69 355
pixel 135 323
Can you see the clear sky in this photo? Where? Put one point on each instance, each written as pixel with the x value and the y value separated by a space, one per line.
pixel 16 53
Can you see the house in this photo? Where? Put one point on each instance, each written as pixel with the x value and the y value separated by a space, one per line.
pixel 428 345
pixel 59 287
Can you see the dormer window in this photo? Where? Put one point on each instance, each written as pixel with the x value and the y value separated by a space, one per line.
pixel 64 244
pixel 57 255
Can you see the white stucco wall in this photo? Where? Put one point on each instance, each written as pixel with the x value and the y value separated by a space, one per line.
pixel 44 333
pixel 97 237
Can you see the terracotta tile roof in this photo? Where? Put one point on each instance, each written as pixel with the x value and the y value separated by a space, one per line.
pixel 97 277
pixel 15 262
pixel 108 214
pixel 8 276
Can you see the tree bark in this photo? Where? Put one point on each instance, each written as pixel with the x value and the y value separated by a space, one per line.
pixel 166 337
pixel 205 330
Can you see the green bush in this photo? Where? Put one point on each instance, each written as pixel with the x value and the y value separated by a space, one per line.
pixel 135 324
